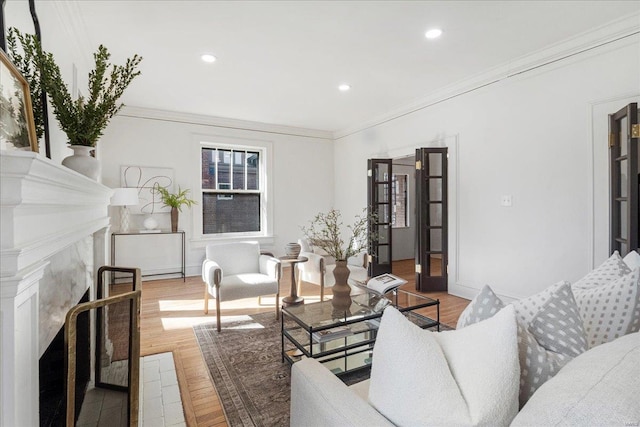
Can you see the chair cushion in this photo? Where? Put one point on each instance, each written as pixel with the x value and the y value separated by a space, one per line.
pixel 471 374
pixel 246 285
pixel 235 258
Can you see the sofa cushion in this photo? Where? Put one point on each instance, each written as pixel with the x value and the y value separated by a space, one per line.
pixel 610 310
pixel 599 387
pixel 537 363
pixel 610 270
pixel 473 372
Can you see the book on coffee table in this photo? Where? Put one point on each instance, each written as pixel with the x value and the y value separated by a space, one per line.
pixel 331 334
pixel 382 284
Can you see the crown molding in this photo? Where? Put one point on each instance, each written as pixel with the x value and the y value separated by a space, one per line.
pixel 599 37
pixel 221 122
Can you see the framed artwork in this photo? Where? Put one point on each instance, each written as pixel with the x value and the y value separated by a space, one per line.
pixel 17 128
pixel 146 180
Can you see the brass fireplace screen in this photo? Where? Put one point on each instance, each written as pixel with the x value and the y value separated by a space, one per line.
pixel 129 381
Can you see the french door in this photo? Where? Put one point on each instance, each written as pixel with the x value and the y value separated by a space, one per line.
pixel 379 181
pixel 624 158
pixel 431 219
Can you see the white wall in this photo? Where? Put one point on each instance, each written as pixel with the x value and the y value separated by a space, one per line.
pixel 528 136
pixel 302 178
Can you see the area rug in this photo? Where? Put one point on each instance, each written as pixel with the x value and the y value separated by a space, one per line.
pixel 246 367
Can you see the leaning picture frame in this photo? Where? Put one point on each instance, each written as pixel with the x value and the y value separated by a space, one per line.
pixel 17 127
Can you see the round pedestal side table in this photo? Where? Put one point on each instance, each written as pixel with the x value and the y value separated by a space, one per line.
pixel 293 298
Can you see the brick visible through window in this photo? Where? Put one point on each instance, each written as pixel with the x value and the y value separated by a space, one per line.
pixel 231 190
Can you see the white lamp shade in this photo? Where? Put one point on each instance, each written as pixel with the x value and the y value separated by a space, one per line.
pixel 125 197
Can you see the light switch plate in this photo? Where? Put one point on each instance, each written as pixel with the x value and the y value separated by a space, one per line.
pixel 506 201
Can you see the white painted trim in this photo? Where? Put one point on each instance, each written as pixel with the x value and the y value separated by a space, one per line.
pixel 598 37
pixel 200 140
pixel 222 122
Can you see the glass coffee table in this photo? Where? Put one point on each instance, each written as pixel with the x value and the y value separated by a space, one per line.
pixel 343 339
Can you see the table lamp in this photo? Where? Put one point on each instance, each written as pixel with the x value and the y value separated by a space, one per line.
pixel 124 197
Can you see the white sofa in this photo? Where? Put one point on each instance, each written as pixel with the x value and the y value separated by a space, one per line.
pixel 563 380
pixel 598 388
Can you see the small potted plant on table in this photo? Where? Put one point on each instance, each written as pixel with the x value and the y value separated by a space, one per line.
pixel 175 201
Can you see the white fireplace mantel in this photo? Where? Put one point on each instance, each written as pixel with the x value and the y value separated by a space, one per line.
pixel 47 212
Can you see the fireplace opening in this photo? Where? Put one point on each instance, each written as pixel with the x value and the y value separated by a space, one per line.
pixel 53 375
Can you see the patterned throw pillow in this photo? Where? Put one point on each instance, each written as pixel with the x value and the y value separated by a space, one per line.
pixel 608 271
pixel 483 306
pixel 611 310
pixel 527 308
pixel 537 363
pixel 558 325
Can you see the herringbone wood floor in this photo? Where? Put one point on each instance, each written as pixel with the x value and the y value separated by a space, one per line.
pixel 170 308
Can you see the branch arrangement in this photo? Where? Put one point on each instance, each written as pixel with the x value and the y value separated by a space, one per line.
pixel 324 231
pixel 85 118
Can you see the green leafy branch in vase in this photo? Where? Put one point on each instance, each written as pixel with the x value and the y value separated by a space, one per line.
pixel 174 200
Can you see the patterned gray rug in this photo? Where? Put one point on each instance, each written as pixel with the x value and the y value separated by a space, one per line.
pixel 246 367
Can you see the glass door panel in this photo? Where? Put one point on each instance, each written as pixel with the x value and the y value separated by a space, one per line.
pixel 624 179
pixel 432 235
pixel 379 183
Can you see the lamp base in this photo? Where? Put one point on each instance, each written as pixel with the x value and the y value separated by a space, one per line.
pixel 124 219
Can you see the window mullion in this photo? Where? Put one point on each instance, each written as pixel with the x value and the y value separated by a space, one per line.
pixel 217 168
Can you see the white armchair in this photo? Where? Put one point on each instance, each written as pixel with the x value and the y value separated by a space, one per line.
pixel 319 269
pixel 234 271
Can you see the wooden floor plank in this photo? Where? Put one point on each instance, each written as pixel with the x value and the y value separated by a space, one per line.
pixel 170 308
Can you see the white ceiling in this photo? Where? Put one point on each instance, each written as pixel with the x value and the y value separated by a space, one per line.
pixel 281 62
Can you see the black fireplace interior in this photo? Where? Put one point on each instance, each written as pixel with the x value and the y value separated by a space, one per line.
pixel 52 373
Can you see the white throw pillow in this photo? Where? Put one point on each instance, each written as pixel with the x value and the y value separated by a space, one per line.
pixel 611 310
pixel 610 270
pixel 472 373
pixel 632 259
pixel 541 354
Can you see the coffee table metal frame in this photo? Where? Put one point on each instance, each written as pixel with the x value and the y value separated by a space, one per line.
pixel 345 354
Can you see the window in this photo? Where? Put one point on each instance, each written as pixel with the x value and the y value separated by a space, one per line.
pixel 232 190
pixel 399 200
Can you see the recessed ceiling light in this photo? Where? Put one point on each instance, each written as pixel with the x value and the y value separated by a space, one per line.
pixel 344 87
pixel 207 57
pixel 433 33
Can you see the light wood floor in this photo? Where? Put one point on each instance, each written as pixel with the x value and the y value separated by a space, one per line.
pixel 170 308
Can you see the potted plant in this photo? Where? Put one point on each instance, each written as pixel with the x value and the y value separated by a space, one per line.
pixel 325 231
pixel 84 119
pixel 175 201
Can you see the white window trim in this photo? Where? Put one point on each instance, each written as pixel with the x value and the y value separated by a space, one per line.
pixel 265 236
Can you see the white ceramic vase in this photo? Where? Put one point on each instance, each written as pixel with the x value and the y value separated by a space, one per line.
pixel 82 162
pixel 150 223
